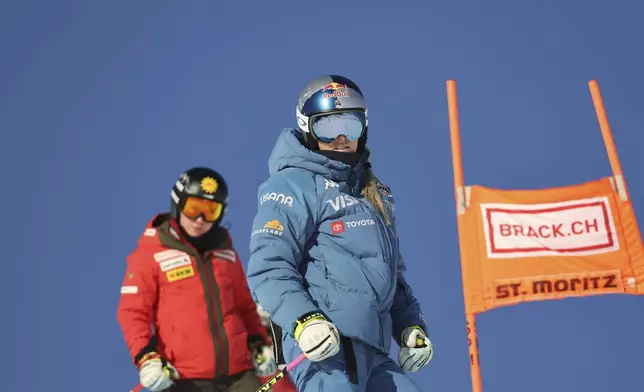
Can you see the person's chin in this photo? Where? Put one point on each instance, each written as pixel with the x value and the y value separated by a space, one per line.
pixel 195 233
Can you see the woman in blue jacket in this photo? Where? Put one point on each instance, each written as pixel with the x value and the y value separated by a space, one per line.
pixel 324 252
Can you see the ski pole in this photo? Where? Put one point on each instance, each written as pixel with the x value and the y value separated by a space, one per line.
pixel 137 388
pixel 281 374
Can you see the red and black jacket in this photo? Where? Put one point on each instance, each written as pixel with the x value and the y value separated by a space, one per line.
pixel 199 305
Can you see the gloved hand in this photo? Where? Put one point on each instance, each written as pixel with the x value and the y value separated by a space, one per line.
pixel 264 361
pixel 155 373
pixel 416 351
pixel 263 316
pixel 318 338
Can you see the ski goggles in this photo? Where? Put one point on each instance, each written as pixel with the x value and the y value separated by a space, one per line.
pixel 194 207
pixel 327 127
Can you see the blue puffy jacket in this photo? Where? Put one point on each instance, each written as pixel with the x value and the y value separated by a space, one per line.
pixel 318 244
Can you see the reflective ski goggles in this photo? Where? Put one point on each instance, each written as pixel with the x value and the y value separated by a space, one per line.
pixel 327 127
pixel 194 207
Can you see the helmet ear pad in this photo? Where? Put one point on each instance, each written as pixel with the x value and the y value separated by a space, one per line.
pixel 362 142
pixel 174 210
pixel 309 141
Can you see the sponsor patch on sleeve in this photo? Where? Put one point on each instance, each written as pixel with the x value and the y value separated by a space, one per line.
pixel 272 227
pixel 129 289
pixel 279 198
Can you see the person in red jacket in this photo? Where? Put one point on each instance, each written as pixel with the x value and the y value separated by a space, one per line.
pixel 275 333
pixel 186 312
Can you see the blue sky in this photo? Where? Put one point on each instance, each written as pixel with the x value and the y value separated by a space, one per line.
pixel 103 104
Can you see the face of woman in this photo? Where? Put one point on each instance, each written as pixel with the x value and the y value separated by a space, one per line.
pixel 338 131
pixel 194 228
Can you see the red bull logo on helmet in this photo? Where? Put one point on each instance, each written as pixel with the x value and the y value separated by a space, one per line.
pixel 335 90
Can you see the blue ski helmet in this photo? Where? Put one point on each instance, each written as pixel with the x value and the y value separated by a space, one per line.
pixel 330 94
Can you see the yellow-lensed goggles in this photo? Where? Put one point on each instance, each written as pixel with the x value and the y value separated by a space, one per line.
pixel 195 207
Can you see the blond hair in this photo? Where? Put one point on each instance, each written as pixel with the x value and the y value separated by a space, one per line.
pixel 370 192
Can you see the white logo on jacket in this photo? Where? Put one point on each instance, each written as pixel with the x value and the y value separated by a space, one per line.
pixel 168 254
pixel 175 262
pixel 341 202
pixel 278 198
pixel 330 184
pixel 361 222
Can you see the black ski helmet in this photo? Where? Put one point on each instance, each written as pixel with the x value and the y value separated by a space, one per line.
pixel 329 94
pixel 199 182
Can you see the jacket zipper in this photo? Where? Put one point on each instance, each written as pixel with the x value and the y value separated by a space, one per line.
pixel 214 332
pixel 218 317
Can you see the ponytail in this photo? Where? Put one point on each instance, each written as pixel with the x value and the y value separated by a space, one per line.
pixel 370 192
